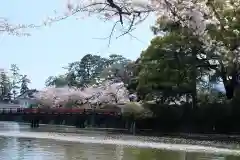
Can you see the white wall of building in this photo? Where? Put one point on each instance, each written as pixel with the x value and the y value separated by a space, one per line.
pixel 25 103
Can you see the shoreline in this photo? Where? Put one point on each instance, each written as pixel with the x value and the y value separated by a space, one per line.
pixel 230 138
pixel 199 136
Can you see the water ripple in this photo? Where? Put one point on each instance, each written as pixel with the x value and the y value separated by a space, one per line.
pixel 130 143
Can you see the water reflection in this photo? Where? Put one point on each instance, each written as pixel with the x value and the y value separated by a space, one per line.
pixel 168 155
pixel 10 126
pixel 39 149
pixel 25 149
pixel 6 143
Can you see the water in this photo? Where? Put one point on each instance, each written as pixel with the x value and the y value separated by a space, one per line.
pixel 19 142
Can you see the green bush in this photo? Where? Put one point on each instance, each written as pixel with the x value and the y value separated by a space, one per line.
pixel 204 118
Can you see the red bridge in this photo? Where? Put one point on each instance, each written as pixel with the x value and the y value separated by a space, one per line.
pixel 57 111
pixel 106 118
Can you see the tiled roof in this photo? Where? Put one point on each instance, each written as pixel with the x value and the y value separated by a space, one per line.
pixel 27 94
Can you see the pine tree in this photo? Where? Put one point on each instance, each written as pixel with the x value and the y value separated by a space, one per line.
pixel 5 87
pixel 24 84
pixel 15 79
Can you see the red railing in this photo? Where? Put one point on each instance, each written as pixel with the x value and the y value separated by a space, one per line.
pixel 58 111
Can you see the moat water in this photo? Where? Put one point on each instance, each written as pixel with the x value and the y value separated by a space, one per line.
pixel 19 142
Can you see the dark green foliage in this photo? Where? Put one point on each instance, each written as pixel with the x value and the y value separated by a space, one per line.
pixel 5 85
pixel 207 118
pixel 24 81
pixel 15 79
pixel 11 85
pixel 91 69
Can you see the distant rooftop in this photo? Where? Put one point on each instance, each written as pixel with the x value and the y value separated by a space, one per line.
pixel 27 94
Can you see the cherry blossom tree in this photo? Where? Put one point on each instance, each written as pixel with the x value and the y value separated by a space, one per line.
pixel 124 13
pixel 193 14
pixel 95 96
pixel 213 24
pixel 129 13
pixel 107 92
pixel 6 27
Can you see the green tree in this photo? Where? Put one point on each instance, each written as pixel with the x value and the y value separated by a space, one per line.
pixel 24 84
pixel 116 67
pixel 173 65
pixel 80 73
pixel 165 73
pixel 92 69
pixel 57 81
pixel 215 25
pixel 86 70
pixel 15 79
pixel 5 85
pixel 226 38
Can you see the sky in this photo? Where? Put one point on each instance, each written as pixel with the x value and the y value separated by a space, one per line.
pixel 50 48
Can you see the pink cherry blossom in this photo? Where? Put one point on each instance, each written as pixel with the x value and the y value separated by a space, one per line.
pixel 108 92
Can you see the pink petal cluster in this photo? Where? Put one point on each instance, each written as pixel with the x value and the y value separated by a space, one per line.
pixel 107 92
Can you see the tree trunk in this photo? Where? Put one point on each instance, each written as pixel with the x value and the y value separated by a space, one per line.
pixel 230 85
pixel 194 78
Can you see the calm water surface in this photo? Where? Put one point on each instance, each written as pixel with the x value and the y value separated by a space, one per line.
pixel 26 147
